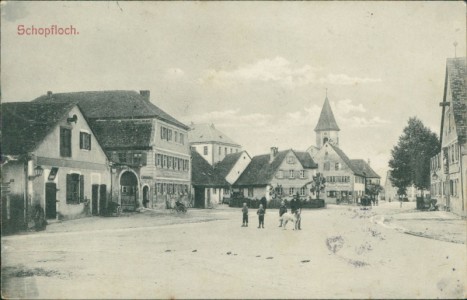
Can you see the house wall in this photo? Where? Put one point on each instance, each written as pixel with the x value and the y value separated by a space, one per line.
pixel 327 155
pixel 92 164
pixel 213 196
pixel 14 200
pixel 157 176
pixel 238 168
pixel 213 156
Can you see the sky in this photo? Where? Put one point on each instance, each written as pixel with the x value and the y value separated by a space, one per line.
pixel 259 71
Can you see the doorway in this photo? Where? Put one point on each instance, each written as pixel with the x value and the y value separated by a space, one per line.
pixel 50 200
pixel 95 199
pixel 146 196
pixel 199 197
pixel 129 191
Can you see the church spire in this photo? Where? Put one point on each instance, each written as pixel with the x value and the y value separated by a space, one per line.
pixel 326 120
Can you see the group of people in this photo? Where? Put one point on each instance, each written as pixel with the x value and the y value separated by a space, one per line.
pixel 295 208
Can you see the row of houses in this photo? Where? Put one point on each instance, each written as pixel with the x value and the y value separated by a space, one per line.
pixel 449 167
pixel 285 173
pixel 74 154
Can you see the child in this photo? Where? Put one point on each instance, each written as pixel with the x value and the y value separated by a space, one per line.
pixel 260 214
pixel 245 215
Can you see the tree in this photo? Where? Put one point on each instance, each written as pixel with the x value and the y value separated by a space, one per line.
pixel 373 189
pixel 317 184
pixel 410 158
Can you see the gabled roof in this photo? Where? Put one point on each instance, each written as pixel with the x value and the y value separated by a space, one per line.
pixel 326 118
pixel 25 125
pixel 306 160
pixel 260 172
pixel 225 166
pixel 207 133
pixel 347 161
pixel 112 104
pixel 365 168
pixel 456 74
pixel 127 134
pixel 203 174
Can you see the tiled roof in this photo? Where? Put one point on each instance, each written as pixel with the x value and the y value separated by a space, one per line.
pixel 456 70
pixel 260 172
pixel 112 104
pixel 365 168
pixel 26 124
pixel 306 160
pixel 347 161
pixel 224 166
pixel 203 174
pixel 326 118
pixel 204 133
pixel 127 134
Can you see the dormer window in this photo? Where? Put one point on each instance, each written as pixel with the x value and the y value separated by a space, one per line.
pixel 290 159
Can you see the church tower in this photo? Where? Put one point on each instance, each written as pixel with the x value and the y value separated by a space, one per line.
pixel 326 129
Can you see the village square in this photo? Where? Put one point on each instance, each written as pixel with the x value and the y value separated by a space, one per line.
pixel 264 180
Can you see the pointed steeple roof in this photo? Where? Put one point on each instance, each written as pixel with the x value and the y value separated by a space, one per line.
pixel 326 118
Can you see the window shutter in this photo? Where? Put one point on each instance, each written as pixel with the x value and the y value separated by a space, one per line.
pixel 81 188
pixel 89 137
pixel 68 188
pixel 81 140
pixel 143 158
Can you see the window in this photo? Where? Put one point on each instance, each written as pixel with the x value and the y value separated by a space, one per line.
pixel 164 188
pixel 122 157
pixel 164 161
pixel 302 191
pixel 182 139
pixel 337 166
pixel 158 160
pixel 74 188
pixel 327 166
pixel 290 160
pixel 214 191
pixel 176 136
pixel 65 142
pixel 158 188
pixel 279 190
pixel 291 173
pixel 84 141
pixel 302 173
pixel 169 134
pixel 164 135
pixel 231 150
pixel 291 191
pixel 280 174
pixel 180 164
pixel 170 162
pixel 137 159
pixel 205 150
pixel 175 163
pixel 250 192
pixel 226 191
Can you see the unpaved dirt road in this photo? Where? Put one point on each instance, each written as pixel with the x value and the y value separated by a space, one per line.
pixel 340 253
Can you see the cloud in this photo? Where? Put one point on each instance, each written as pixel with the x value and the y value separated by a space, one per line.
pixel 345 106
pixel 343 79
pixel 277 70
pixel 13 11
pixel 348 114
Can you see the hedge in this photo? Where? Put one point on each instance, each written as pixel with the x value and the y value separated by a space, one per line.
pixel 274 203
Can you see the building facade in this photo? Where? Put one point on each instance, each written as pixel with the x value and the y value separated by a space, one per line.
pixel 50 158
pixel 448 168
pixel 287 172
pixel 148 148
pixel 210 143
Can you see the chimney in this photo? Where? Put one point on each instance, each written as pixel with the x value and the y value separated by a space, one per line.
pixel 273 154
pixel 145 94
pixel 49 94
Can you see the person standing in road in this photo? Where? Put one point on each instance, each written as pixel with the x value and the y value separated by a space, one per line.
pixel 295 207
pixel 264 202
pixel 260 214
pixel 282 210
pixel 245 215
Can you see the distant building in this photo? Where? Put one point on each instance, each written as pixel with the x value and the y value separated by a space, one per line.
pixel 212 144
pixel 51 158
pixel 148 148
pixel 449 167
pixel 285 171
pixel 208 184
pixel 346 179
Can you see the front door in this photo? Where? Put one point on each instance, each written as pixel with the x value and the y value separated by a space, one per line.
pixel 95 199
pixel 102 198
pixel 129 191
pixel 199 197
pixel 50 200
pixel 146 197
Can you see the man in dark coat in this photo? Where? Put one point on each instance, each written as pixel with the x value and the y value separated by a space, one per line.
pixel 264 202
pixel 295 207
